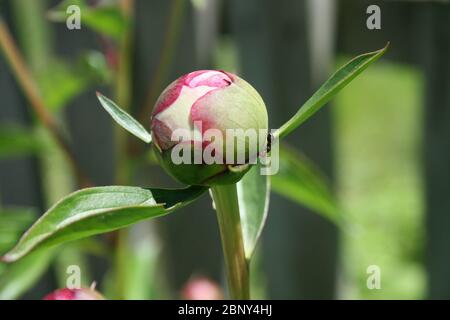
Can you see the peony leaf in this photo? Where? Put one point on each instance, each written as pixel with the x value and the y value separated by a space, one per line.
pixel 98 210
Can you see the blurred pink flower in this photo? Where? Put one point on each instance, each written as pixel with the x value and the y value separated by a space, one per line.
pixel 201 289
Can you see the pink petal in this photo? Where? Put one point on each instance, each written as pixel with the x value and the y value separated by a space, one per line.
pixel 162 134
pixel 210 78
pixel 200 113
pixel 63 294
pixel 169 95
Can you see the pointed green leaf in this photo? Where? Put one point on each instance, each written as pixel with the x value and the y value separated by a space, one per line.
pixel 98 210
pixel 299 180
pixel 124 119
pixel 253 192
pixel 329 89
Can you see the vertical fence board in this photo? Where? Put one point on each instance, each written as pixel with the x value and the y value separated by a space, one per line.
pixel 436 148
pixel 299 248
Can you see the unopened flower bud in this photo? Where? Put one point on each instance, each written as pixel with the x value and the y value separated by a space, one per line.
pixel 220 120
pixel 74 294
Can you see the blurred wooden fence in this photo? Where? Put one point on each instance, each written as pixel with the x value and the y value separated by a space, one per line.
pixel 299 249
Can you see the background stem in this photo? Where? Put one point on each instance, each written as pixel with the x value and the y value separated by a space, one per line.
pixel 27 83
pixel 123 170
pixel 171 37
pixel 227 208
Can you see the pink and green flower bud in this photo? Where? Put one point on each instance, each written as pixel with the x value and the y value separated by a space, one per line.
pixel 209 112
pixel 74 294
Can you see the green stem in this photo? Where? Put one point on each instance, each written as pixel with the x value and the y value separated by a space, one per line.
pixel 123 170
pixel 227 208
pixel 123 90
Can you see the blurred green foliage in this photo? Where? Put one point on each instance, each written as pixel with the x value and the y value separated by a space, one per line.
pixel 377 138
pixel 17 141
pixel 17 278
pixel 107 20
pixel 378 134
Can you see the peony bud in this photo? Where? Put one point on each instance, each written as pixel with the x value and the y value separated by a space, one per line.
pixel 74 294
pixel 204 106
